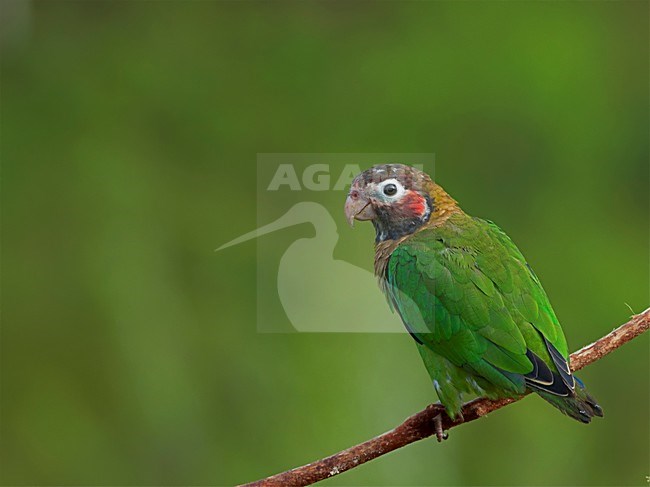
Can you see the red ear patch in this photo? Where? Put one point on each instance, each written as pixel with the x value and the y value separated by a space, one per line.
pixel 414 203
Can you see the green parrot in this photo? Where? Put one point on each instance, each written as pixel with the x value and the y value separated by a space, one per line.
pixel 476 310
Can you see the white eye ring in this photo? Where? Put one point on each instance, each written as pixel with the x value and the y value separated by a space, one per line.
pixel 391 188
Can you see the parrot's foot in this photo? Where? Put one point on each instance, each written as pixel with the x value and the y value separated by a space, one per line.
pixel 437 426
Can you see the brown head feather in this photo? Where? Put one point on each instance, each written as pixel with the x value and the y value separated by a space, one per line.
pixel 417 184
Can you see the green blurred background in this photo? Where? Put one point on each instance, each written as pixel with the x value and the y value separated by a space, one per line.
pixel 130 354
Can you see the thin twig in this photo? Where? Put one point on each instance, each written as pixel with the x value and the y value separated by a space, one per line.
pixel 420 425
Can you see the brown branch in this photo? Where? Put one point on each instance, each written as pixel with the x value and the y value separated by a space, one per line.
pixel 420 425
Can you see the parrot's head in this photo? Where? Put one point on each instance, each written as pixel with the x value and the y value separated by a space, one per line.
pixel 398 199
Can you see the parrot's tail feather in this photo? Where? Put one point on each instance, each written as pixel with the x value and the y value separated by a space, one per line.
pixel 580 405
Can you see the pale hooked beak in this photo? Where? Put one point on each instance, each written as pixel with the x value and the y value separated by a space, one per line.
pixel 358 207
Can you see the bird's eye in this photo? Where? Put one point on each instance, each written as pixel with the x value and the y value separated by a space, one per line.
pixel 390 190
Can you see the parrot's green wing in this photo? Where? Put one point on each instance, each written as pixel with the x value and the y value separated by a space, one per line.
pixel 466 294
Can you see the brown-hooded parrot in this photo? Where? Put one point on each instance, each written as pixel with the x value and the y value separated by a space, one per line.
pixel 476 310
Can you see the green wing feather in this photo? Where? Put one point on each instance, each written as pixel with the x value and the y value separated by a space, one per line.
pixel 468 297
